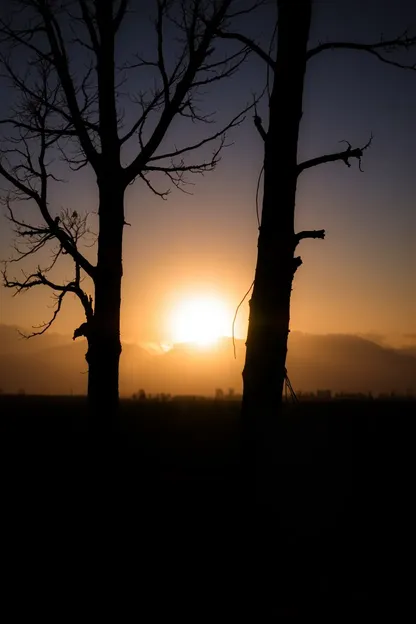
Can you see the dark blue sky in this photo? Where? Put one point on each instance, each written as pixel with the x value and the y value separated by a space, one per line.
pixel 361 279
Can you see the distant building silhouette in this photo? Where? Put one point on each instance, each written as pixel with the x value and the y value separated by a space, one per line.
pixel 324 395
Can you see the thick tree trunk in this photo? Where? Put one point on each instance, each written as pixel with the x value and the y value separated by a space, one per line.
pixel 104 346
pixel 264 370
pixel 104 337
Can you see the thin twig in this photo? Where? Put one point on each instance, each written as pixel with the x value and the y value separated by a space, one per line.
pixel 235 316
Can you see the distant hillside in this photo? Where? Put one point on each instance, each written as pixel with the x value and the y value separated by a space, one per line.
pixel 348 363
pixel 409 351
pixel 12 342
pixel 54 364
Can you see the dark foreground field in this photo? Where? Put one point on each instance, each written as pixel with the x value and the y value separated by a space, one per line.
pixel 156 524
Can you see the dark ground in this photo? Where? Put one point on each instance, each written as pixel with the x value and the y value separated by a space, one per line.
pixel 156 523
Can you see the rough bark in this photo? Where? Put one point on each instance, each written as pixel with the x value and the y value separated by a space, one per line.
pixel 104 346
pixel 264 370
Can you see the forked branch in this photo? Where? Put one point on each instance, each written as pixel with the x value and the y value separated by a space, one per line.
pixel 29 240
pixel 403 42
pixel 344 156
pixel 59 291
pixel 249 43
pixel 178 84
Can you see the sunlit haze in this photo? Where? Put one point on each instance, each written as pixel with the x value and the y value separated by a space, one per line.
pixel 188 261
pixel 200 320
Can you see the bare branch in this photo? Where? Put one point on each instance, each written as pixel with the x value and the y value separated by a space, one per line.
pixel 161 6
pixel 253 6
pixel 249 43
pixel 229 68
pixel 236 121
pixel 37 279
pixel 61 64
pixel 122 10
pixel 55 132
pixel 146 109
pixel 56 99
pixel 88 21
pixel 184 85
pixel 162 194
pixel 403 42
pixel 75 228
pixel 309 234
pixel 344 156
pixel 29 178
pixel 45 326
pixel 52 224
pixel 198 168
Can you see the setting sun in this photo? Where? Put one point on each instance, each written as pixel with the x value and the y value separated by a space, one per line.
pixel 201 320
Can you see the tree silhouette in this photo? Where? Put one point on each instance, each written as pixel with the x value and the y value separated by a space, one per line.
pixel 70 90
pixel 264 370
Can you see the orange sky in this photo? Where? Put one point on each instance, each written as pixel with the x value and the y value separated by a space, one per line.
pixel 341 287
pixel 360 279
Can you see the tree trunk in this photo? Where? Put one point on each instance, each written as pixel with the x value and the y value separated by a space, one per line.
pixel 104 346
pixel 264 370
pixel 104 339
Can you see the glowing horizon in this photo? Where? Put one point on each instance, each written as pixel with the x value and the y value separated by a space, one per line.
pixel 360 280
pixel 200 320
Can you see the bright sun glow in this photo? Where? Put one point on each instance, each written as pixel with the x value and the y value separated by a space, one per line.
pixel 200 320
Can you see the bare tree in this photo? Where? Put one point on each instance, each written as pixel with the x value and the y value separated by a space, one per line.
pixel 69 105
pixel 264 372
pixel 31 239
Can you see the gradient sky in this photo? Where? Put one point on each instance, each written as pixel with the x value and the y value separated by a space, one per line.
pixel 361 279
